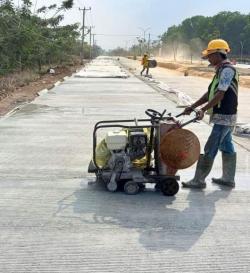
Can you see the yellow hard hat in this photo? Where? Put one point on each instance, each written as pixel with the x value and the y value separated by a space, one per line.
pixel 217 45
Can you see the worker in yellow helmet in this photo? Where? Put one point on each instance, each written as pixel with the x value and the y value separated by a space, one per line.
pixel 145 64
pixel 220 102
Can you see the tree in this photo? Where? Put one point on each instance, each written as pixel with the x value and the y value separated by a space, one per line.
pixel 197 31
pixel 173 37
pixel 30 40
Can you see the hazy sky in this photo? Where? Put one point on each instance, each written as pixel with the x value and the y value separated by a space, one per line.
pixel 121 20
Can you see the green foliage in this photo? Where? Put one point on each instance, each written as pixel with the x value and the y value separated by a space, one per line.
pixel 197 31
pixel 68 4
pixel 30 41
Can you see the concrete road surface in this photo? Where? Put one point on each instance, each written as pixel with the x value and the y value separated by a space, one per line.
pixel 52 220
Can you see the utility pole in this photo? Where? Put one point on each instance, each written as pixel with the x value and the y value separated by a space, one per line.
pixel 149 43
pixel 144 30
pixel 93 45
pixel 241 50
pixel 140 41
pixel 160 48
pixel 90 38
pixel 90 41
pixel 83 27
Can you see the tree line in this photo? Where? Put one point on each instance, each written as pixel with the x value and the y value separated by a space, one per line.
pixel 31 40
pixel 197 31
pixel 192 35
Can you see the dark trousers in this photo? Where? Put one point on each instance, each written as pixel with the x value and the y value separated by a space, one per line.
pixel 145 67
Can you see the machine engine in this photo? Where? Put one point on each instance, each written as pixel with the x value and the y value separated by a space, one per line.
pixel 137 144
pixel 129 146
pixel 125 147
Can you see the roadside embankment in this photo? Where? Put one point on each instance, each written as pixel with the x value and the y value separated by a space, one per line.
pixel 200 69
pixel 185 90
pixel 21 87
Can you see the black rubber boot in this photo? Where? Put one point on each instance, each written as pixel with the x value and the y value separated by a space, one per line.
pixel 228 170
pixel 203 168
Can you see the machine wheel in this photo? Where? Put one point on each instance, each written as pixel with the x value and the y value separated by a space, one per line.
pixel 112 186
pixel 131 188
pixel 169 186
pixel 142 187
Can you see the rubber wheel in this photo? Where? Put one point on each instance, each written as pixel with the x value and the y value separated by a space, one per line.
pixel 92 168
pixel 112 186
pixel 169 187
pixel 157 186
pixel 131 188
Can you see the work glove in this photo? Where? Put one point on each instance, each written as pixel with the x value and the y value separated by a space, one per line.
pixel 200 114
pixel 188 110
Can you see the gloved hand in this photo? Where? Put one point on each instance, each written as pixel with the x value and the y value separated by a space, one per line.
pixel 200 114
pixel 188 110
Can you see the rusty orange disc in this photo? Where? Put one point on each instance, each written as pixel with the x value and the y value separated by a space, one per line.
pixel 180 148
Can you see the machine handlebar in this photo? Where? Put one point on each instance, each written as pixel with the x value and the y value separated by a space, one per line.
pixel 157 116
pixel 183 113
pixel 191 120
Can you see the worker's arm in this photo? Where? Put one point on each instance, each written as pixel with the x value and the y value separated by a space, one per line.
pixel 199 102
pixel 225 80
pixel 219 95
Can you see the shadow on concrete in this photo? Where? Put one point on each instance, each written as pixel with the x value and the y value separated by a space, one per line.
pixel 162 222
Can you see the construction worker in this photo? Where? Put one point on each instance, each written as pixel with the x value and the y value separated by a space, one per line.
pixel 220 102
pixel 145 64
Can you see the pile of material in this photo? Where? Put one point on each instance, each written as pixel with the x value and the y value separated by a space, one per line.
pixel 242 130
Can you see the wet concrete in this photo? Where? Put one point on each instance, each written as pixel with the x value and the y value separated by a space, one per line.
pixel 53 221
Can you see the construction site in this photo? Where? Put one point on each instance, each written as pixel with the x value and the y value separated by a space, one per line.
pixel 103 163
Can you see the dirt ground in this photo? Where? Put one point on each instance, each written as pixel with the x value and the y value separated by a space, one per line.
pixel 202 70
pixel 27 93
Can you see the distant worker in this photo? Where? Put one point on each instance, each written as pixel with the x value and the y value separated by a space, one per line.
pixel 145 64
pixel 220 102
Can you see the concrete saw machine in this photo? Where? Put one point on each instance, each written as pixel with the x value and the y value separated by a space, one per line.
pixel 141 151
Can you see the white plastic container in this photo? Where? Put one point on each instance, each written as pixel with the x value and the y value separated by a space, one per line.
pixel 116 140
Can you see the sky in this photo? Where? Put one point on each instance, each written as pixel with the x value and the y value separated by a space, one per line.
pixel 119 22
